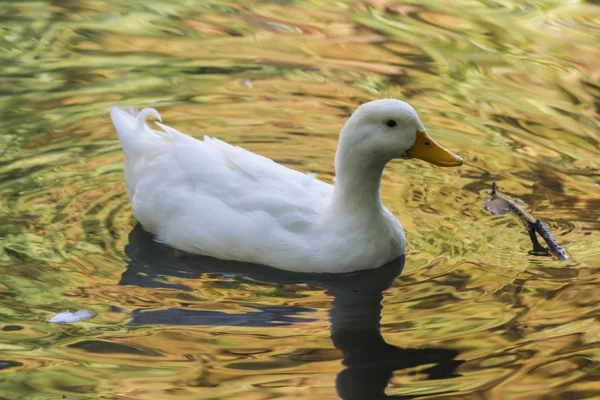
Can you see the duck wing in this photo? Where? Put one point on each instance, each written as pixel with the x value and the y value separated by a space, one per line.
pixel 210 182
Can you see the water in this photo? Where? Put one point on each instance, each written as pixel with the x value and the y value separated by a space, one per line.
pixel 513 87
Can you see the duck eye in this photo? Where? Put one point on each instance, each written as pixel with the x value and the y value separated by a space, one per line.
pixel 391 123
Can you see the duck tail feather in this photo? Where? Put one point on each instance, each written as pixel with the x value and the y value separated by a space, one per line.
pixel 145 113
pixel 132 128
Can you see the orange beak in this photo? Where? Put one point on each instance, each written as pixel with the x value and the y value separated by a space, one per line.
pixel 427 149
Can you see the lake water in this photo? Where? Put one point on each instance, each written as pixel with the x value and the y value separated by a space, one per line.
pixel 511 86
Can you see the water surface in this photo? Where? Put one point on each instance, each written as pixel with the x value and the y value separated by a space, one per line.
pixel 512 86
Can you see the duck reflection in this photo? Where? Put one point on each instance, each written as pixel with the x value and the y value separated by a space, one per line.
pixel 355 315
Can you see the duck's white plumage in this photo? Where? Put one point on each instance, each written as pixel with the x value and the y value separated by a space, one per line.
pixel 208 197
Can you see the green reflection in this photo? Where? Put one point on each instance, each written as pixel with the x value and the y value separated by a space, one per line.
pixel 513 85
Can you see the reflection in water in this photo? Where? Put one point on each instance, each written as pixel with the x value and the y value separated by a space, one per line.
pixel 514 86
pixel 355 315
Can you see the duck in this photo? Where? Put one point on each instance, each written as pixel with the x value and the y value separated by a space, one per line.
pixel 208 197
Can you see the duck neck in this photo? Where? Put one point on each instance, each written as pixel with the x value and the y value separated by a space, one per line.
pixel 357 184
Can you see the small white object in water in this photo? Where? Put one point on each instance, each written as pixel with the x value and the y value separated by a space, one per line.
pixel 497 206
pixel 68 317
pixel 247 83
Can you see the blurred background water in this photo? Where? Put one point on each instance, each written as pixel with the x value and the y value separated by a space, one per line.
pixel 512 86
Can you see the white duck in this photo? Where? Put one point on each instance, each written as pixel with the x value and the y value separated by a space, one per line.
pixel 208 197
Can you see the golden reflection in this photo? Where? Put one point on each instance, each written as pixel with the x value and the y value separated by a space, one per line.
pixel 512 85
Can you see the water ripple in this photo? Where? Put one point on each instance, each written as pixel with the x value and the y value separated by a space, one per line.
pixel 512 86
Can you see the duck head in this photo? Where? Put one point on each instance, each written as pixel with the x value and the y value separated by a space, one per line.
pixel 382 130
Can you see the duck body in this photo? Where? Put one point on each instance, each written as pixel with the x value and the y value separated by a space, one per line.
pixel 211 198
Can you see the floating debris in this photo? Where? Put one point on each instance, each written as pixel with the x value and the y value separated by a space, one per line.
pixel 500 205
pixel 68 317
pixel 247 83
pixel 497 206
